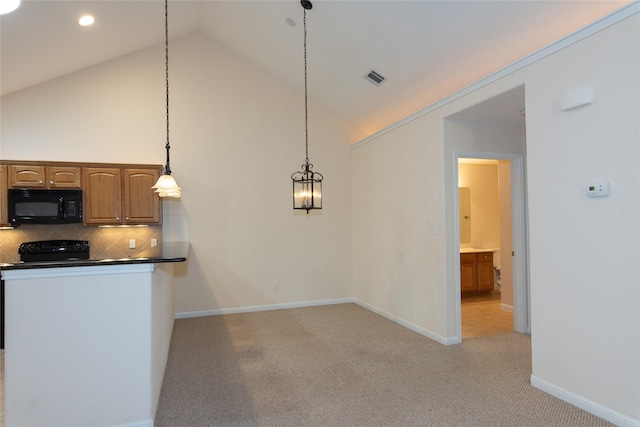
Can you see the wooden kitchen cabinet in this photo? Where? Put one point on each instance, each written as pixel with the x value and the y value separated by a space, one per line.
pixel 64 177
pixel 102 196
pixel 4 181
pixel 476 272
pixel 115 196
pixel 141 203
pixel 113 193
pixel 40 176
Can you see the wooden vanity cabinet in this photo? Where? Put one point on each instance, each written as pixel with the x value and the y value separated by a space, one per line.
pixel 476 272
pixel 484 263
pixel 115 196
pixel 43 177
pixel 468 273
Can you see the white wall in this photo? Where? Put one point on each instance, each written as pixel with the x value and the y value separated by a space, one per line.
pixel 398 225
pixel 584 253
pixel 403 215
pixel 237 134
pixel 585 292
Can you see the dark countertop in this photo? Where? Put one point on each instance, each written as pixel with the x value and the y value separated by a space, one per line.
pixel 167 252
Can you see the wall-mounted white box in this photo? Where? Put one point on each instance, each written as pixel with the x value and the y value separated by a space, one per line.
pixel 598 189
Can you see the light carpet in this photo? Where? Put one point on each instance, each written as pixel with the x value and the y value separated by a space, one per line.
pixel 342 365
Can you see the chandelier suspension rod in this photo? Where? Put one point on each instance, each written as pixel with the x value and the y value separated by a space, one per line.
pixel 306 110
pixel 167 168
pixel 166 185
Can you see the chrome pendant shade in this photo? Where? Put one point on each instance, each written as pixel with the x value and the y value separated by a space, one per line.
pixel 166 185
pixel 307 185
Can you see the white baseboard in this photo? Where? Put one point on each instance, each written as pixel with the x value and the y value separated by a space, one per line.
pixel 137 423
pixel 422 331
pixel 506 307
pixel 592 407
pixel 268 307
pixel 392 317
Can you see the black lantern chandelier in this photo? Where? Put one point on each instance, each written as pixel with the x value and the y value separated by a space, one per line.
pixel 307 185
pixel 166 185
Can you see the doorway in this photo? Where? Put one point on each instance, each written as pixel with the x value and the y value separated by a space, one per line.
pixel 484 203
pixel 492 130
pixel 518 250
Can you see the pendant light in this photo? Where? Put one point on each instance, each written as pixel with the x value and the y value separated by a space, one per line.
pixel 307 185
pixel 166 185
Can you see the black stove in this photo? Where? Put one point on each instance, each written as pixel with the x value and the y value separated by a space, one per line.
pixel 54 250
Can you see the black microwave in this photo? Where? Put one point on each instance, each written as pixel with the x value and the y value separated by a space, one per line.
pixel 28 206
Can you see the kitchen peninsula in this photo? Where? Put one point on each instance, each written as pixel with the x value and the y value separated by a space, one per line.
pixel 87 340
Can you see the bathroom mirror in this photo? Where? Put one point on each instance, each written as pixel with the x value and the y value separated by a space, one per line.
pixel 465 215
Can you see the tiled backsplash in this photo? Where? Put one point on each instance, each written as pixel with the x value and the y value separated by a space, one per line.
pixel 103 242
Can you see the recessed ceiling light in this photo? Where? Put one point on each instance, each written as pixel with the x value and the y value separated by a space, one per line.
pixel 7 6
pixel 86 20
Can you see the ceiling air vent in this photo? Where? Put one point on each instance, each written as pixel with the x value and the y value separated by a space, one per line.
pixel 374 78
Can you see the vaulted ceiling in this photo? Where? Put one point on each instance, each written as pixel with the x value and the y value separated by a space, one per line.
pixel 426 50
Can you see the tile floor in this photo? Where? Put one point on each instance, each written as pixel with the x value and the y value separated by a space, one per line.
pixel 481 315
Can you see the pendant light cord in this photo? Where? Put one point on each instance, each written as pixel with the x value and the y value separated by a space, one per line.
pixel 306 114
pixel 167 168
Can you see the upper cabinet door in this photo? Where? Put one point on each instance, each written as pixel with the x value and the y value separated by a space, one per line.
pixel 4 181
pixel 28 176
pixel 21 176
pixel 141 204
pixel 63 177
pixel 102 195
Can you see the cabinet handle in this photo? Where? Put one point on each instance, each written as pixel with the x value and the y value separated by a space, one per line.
pixel 51 183
pixel 39 182
pixel 118 218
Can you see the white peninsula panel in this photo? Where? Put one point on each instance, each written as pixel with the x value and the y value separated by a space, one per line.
pixel 86 346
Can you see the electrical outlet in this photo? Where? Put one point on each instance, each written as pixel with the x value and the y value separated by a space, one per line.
pixel 276 286
pixel 154 243
pixel 132 243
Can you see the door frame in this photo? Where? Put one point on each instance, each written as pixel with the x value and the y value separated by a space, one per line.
pixel 519 232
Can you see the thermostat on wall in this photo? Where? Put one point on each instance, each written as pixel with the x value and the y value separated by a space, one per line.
pixel 598 189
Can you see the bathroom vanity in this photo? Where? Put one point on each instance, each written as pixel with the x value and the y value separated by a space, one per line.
pixel 476 271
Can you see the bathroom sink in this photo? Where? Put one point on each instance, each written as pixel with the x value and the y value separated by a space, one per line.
pixel 476 250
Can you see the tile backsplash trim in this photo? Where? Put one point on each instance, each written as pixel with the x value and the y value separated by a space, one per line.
pixel 103 242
